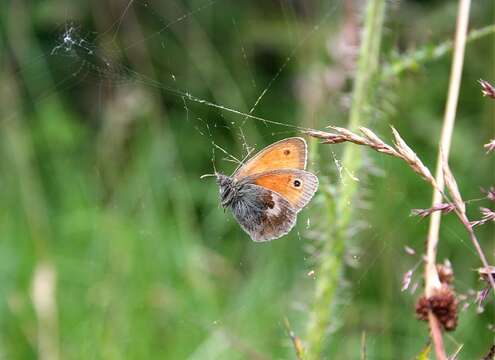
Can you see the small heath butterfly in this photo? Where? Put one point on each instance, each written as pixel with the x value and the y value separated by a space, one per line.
pixel 266 193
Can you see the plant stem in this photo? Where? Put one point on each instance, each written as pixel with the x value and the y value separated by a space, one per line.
pixel 432 281
pixel 330 267
pixel 413 59
pixel 436 335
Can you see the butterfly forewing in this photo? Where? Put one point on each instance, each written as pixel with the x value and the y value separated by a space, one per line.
pixel 296 186
pixel 285 154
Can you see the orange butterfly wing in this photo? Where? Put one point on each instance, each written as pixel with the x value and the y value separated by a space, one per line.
pixel 296 186
pixel 289 153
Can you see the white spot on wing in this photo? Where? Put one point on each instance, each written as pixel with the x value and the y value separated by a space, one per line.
pixel 277 209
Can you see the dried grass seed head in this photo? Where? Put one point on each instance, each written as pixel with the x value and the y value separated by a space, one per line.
pixel 487 89
pixel 490 146
pixel 486 271
pixel 443 304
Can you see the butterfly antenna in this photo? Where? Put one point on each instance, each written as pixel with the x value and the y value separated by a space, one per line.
pixel 213 164
pixel 213 158
pixel 229 157
pixel 243 161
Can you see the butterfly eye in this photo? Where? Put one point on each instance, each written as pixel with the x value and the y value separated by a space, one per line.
pixel 297 183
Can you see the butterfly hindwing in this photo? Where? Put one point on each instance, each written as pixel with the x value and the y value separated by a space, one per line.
pixel 296 186
pixel 285 154
pixel 264 214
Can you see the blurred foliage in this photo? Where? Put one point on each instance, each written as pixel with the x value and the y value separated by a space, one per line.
pixel 102 149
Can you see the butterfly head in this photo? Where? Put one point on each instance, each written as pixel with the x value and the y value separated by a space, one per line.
pixel 228 189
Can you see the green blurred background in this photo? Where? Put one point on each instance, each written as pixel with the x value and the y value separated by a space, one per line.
pixel 112 247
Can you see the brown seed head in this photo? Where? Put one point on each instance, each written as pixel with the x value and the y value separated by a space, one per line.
pixel 422 308
pixel 442 304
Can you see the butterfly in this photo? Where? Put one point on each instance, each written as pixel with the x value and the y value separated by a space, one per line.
pixel 266 193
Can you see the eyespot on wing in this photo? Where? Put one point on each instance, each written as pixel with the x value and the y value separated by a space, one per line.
pixel 297 186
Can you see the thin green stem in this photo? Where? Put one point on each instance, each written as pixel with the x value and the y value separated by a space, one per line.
pixel 331 258
pixel 414 59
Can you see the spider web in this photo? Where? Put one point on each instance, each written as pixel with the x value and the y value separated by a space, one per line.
pixel 92 63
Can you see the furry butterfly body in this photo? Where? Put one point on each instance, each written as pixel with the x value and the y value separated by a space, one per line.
pixel 267 192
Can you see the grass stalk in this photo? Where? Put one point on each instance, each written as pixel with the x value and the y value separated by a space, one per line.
pixel 331 258
pixel 411 60
pixel 432 281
